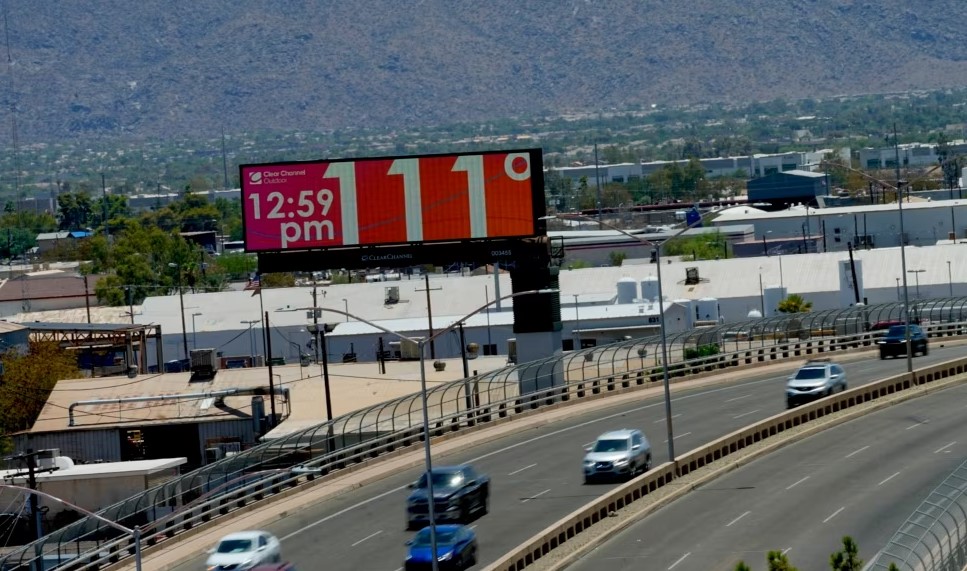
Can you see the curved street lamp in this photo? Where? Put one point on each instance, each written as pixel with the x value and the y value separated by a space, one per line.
pixel 661 312
pixel 421 344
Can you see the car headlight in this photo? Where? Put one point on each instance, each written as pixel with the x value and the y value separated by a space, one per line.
pixel 621 461
pixel 446 556
pixel 589 462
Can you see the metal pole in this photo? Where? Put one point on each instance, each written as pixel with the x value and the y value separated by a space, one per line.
pixel 950 279
pixel 903 254
pixel 487 300
pixel 127 290
pixel 87 300
pixel 315 319
pixel 664 359
pixel 325 371
pixel 597 179
pixel 345 303
pixel 577 325
pixel 268 342
pixel 429 315
pixel 137 548
pixel 181 300
pixel 428 460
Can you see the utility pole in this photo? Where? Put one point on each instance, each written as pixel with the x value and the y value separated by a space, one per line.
pixel 429 313
pixel 30 458
pixel 315 319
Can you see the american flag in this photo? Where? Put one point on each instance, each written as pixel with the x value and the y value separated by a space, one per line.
pixel 254 284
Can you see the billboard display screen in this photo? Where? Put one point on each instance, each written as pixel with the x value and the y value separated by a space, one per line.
pixel 393 200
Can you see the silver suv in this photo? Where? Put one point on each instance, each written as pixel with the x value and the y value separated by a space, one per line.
pixel 814 380
pixel 617 454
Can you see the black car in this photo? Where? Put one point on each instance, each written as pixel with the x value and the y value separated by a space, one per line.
pixel 460 493
pixel 894 342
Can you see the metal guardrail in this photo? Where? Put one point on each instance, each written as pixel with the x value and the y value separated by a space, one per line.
pixel 578 522
pixel 934 537
pixel 228 484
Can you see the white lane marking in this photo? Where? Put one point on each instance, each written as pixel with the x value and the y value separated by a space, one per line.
pixel 738 398
pixel 515 472
pixel 746 413
pixel 917 424
pixel 737 519
pixel 680 559
pixel 551 434
pixel 370 536
pixel 525 500
pixel 942 448
pixel 855 452
pixel 834 514
pixel 794 484
pixel 786 550
pixel 662 419
pixel 895 474
pixel 678 436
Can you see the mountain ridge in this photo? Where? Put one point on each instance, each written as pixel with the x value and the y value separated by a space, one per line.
pixel 179 68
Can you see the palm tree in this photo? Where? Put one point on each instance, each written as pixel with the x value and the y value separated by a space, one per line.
pixel 794 303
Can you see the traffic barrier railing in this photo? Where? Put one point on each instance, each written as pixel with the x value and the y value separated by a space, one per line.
pixel 581 520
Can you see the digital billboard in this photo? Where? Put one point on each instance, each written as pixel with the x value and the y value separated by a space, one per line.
pixel 381 201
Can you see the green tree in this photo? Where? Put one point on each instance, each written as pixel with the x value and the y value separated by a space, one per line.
pixel 777 562
pixel 701 247
pixel 848 558
pixel 616 258
pixel 794 303
pixel 741 566
pixel 75 210
pixel 237 266
pixel 27 382
pixel 278 280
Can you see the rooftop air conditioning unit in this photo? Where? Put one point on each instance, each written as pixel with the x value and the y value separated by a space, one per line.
pixel 691 276
pixel 46 459
pixel 392 295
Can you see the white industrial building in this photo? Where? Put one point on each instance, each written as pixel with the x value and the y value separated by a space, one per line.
pixel 598 302
pixel 875 225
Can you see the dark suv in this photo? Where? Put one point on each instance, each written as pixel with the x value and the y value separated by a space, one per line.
pixel 460 493
pixel 894 342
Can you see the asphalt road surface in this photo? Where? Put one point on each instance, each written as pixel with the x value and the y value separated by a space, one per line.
pixel 536 476
pixel 862 478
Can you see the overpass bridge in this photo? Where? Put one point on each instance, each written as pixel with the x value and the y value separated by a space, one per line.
pixel 201 497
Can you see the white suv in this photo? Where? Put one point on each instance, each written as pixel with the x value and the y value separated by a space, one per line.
pixel 814 380
pixel 617 454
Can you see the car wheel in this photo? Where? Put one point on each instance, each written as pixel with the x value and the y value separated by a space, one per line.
pixel 647 462
pixel 925 351
pixel 485 503
pixel 473 556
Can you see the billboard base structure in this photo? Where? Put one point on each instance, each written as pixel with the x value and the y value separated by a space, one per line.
pixel 539 372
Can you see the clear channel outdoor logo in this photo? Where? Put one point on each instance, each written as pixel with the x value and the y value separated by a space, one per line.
pixel 255 177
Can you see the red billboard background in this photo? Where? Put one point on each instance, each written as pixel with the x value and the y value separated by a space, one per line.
pixel 392 200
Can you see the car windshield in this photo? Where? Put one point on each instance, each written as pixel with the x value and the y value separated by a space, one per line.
pixel 443 479
pixel 422 538
pixel 811 373
pixel 897 331
pixel 234 546
pixel 611 445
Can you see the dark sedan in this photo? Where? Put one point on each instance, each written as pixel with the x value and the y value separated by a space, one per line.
pixel 456 549
pixel 459 492
pixel 894 342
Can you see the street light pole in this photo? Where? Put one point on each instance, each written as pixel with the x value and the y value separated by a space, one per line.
pixel 251 337
pixel 421 344
pixel 346 304
pixel 903 254
pixel 950 279
pixel 661 315
pixel 181 300
pixel 916 276
pixel 577 324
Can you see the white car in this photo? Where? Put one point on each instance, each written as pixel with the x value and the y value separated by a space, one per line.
pixel 244 550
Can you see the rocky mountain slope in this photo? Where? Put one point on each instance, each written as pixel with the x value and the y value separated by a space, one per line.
pixel 168 68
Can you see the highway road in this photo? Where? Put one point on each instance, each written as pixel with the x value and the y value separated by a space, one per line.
pixel 536 475
pixel 862 478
